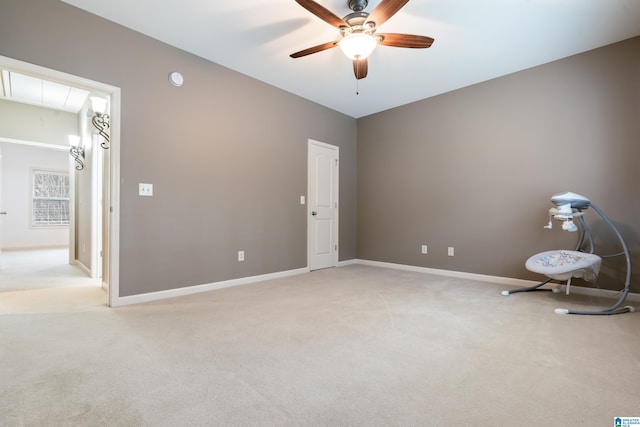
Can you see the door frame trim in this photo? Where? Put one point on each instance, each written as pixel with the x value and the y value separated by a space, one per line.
pixel 336 184
pixel 112 198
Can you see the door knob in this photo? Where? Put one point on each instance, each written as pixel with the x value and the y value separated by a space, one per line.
pixel 314 213
pixel 3 212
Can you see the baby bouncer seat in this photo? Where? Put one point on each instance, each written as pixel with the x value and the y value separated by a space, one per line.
pixel 563 265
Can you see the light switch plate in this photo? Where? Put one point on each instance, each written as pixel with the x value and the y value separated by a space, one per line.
pixel 145 189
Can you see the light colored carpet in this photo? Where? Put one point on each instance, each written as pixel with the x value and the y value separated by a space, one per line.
pixel 349 346
pixel 40 269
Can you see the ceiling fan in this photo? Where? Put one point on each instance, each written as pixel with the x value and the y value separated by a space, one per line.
pixel 358 30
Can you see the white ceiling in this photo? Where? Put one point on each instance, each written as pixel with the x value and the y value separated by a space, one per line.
pixel 475 40
pixel 35 91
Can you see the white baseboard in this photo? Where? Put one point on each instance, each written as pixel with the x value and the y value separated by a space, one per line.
pixel 347 262
pixel 449 273
pixel 507 281
pixel 189 290
pixel 82 267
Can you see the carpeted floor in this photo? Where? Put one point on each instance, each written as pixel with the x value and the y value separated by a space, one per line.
pixel 349 346
pixel 40 269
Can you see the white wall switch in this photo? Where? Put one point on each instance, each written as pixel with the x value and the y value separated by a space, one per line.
pixel 424 249
pixel 302 200
pixel 145 189
pixel 450 251
pixel 240 255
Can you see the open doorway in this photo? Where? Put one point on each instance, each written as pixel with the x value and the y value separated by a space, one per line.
pixel 92 179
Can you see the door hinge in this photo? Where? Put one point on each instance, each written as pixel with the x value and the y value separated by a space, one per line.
pixel 336 248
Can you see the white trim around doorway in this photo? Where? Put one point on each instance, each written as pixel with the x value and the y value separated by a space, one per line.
pixel 113 217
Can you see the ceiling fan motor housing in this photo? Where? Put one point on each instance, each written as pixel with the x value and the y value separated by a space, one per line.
pixel 356 19
pixel 357 5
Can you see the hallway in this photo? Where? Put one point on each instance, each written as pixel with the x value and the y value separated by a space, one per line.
pixel 36 280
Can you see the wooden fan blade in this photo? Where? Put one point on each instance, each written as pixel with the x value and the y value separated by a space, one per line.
pixel 360 68
pixel 315 49
pixel 405 40
pixel 385 10
pixel 322 13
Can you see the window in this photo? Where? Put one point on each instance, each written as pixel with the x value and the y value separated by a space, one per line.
pixel 50 198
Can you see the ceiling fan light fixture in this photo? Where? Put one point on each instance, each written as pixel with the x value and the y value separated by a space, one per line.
pixel 358 45
pixel 358 31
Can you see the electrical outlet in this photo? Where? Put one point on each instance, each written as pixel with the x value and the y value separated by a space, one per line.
pixel 424 249
pixel 240 255
pixel 450 251
pixel 145 189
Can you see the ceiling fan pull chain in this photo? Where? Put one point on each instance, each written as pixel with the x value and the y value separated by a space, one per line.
pixel 357 79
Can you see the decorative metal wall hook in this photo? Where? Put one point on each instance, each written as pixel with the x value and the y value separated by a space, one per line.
pixel 101 123
pixel 77 151
pixel 78 155
pixel 100 119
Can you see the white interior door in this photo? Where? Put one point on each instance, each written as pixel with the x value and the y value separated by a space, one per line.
pixel 322 225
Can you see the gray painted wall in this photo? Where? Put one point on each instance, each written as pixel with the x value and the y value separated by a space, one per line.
pixel 226 154
pixel 475 168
